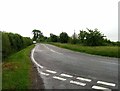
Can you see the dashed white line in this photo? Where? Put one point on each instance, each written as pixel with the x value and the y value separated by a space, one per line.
pixel 46 74
pixel 66 75
pixel 55 51
pixel 84 79
pixel 46 46
pixel 77 83
pixel 101 88
pixel 51 71
pixel 59 78
pixel 51 49
pixel 106 83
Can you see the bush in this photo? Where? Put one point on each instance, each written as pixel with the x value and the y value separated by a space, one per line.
pixel 64 37
pixel 12 43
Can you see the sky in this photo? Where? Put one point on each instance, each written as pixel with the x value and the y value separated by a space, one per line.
pixel 56 16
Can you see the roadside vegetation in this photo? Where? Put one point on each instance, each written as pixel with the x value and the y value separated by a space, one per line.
pixel 16 63
pixel 110 51
pixel 12 43
pixel 88 41
pixel 16 70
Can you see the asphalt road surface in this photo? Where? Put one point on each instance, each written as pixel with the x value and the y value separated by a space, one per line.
pixel 65 69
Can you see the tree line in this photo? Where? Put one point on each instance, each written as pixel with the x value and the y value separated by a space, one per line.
pixel 87 38
pixel 12 43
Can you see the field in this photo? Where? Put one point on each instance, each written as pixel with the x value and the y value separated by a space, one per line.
pixel 110 51
pixel 16 70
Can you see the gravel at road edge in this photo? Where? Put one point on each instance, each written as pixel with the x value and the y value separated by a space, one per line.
pixel 36 80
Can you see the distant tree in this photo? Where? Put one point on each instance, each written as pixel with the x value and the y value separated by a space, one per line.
pixel 91 37
pixel 37 34
pixel 94 37
pixel 53 38
pixel 82 36
pixel 64 37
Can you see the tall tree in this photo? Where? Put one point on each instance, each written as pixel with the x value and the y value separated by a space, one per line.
pixel 91 37
pixel 82 36
pixel 37 34
pixel 64 37
pixel 53 38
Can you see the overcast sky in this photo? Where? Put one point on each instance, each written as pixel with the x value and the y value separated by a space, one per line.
pixel 56 16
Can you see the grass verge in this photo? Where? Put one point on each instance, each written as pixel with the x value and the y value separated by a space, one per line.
pixel 109 51
pixel 16 70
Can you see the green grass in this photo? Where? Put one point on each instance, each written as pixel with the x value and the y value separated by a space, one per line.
pixel 110 51
pixel 16 70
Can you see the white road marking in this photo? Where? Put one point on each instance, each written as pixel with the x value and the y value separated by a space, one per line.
pixel 46 46
pixel 55 51
pixel 34 59
pixel 84 79
pixel 40 50
pixel 77 83
pixel 66 75
pixel 106 83
pixel 46 74
pixel 59 78
pixel 51 49
pixel 101 88
pixel 51 71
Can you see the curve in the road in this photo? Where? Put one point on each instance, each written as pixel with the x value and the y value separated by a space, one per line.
pixel 65 76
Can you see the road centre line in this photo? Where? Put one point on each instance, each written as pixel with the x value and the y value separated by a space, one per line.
pixel 51 49
pixel 59 78
pixel 77 83
pixel 84 79
pixel 66 75
pixel 46 46
pixel 51 71
pixel 101 88
pixel 106 83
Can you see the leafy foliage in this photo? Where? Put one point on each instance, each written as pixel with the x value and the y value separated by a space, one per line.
pixel 91 38
pixel 13 42
pixel 64 37
pixel 37 34
pixel 53 38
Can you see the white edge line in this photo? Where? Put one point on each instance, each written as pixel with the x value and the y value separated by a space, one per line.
pixel 84 79
pixel 101 88
pixel 106 83
pixel 34 59
pixel 66 75
pixel 51 71
pixel 77 83
pixel 59 78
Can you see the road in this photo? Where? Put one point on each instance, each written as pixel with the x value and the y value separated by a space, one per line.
pixel 65 69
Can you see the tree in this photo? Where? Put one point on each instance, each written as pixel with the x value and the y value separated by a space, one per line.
pixel 91 37
pixel 53 38
pixel 82 36
pixel 37 34
pixel 64 37
pixel 94 37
